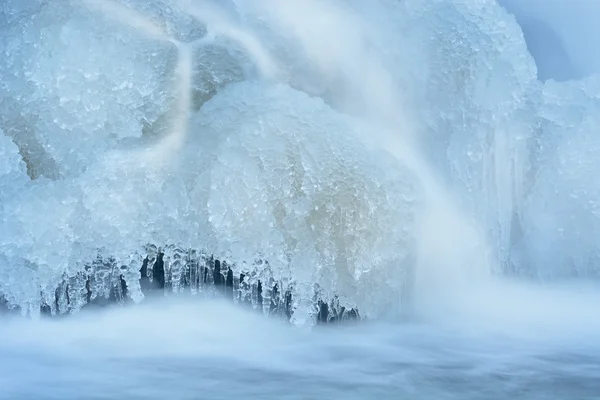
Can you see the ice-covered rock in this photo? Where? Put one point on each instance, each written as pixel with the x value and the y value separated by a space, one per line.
pixel 293 180
pixel 266 173
pixel 64 98
pixel 299 142
pixel 477 83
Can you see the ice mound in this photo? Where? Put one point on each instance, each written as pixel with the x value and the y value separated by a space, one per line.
pixel 266 173
pixel 476 84
pixel 293 179
pixel 59 66
pixel 71 74
pixel 92 96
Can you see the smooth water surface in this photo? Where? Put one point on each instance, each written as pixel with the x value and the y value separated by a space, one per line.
pixel 210 350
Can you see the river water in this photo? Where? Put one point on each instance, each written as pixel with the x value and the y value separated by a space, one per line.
pixel 190 349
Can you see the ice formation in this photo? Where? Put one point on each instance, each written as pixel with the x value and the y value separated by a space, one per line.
pixel 304 144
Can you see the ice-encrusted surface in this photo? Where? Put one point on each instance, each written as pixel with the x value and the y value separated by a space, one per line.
pixel 293 179
pixel 562 221
pixel 476 115
pixel 257 134
pixel 61 84
pixel 265 172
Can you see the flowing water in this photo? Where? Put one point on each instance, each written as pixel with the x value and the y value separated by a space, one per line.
pixel 191 350
pixel 407 158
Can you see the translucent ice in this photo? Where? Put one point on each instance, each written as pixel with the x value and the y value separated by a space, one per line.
pixel 563 210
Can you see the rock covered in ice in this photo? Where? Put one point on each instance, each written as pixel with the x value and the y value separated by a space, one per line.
pixel 74 84
pixel 278 161
pixel 458 78
pixel 479 83
pixel 266 173
pixel 293 180
pixel 74 78
pixel 520 153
